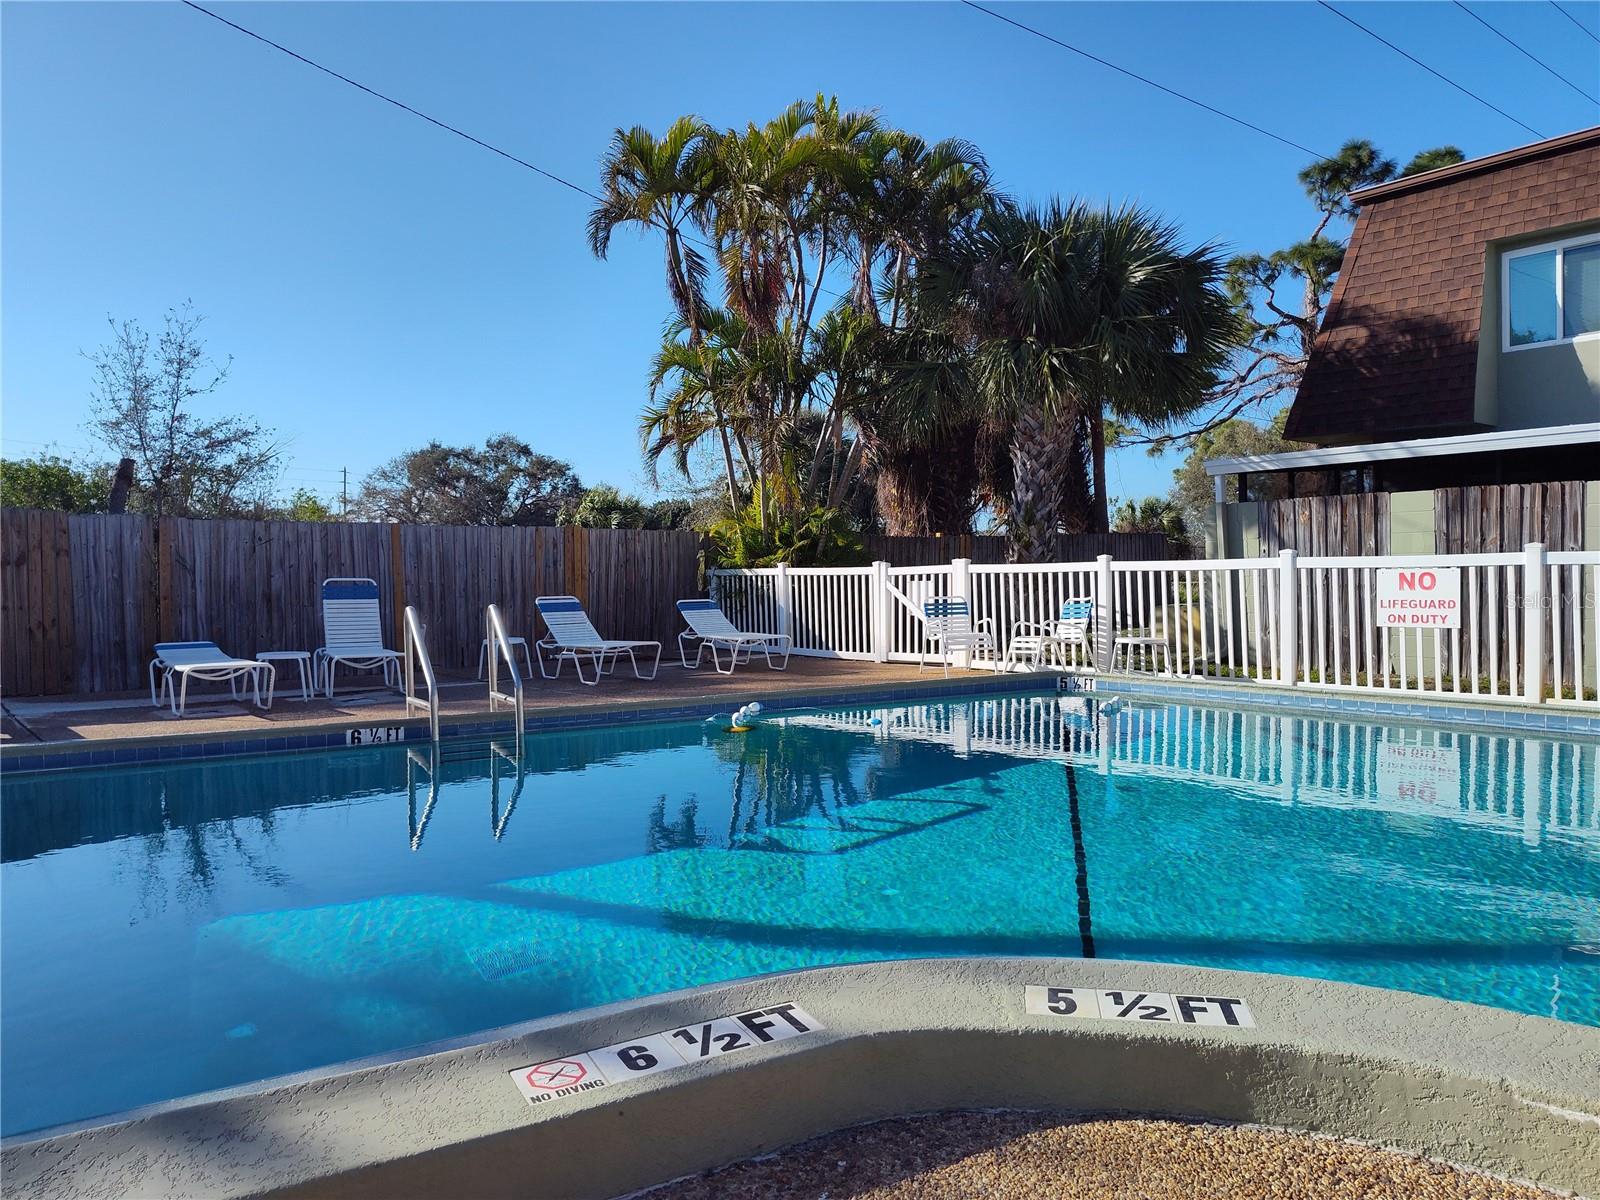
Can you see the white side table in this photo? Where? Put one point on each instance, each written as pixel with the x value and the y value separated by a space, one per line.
pixel 300 658
pixel 1153 647
pixel 514 642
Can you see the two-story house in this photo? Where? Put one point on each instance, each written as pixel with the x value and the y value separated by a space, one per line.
pixel 1452 397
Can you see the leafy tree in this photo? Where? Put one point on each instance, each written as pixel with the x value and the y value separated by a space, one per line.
pixel 47 481
pixel 815 537
pixel 306 505
pixel 504 483
pixel 670 514
pixel 1192 490
pixel 604 507
pixel 1432 160
pixel 144 406
pixel 1153 514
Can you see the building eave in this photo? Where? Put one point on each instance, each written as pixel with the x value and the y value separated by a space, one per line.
pixel 1476 166
pixel 1498 440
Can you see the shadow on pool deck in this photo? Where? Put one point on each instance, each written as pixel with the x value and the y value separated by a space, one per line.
pixel 54 719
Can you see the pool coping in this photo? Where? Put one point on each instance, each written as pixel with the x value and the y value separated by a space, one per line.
pixel 1514 1095
pixel 1489 715
pixel 333 734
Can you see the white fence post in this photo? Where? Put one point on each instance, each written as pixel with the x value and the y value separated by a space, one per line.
pixel 1534 570
pixel 1105 629
pixel 1288 619
pixel 961 589
pixel 878 599
pixel 961 579
pixel 781 601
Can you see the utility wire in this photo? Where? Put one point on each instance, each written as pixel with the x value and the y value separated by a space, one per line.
pixel 461 133
pixel 1187 99
pixel 1594 36
pixel 1426 67
pixel 1525 53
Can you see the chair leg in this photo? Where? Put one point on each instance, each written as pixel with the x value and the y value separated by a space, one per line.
pixel 483 657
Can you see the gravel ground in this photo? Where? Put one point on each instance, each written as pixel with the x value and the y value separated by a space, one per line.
pixel 1043 1156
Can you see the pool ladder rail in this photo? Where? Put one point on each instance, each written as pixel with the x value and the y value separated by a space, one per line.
pixel 427 765
pixel 494 627
pixel 416 655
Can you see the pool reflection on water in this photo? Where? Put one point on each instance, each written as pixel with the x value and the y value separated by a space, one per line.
pixel 172 929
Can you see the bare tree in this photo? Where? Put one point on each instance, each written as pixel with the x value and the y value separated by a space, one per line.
pixel 1281 297
pixel 144 399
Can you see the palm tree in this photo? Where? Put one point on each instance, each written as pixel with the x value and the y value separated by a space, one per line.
pixel 1175 306
pixel 918 429
pixel 1070 310
pixel 664 183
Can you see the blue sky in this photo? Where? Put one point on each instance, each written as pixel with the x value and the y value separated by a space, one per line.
pixel 380 282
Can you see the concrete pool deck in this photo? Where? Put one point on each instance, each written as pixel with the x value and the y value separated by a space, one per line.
pixel 1513 1095
pixel 48 723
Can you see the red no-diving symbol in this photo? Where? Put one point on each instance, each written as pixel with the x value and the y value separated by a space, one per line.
pixel 560 1074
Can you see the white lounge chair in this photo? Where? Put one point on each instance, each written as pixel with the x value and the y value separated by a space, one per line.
pixel 573 636
pixel 204 661
pixel 710 627
pixel 948 624
pixel 353 632
pixel 1047 642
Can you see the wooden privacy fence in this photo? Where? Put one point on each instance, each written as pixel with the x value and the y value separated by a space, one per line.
pixel 85 597
pixel 1503 518
pixel 990 549
pixel 1331 526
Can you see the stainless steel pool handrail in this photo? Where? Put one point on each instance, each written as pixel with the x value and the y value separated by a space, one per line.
pixel 417 654
pixel 500 647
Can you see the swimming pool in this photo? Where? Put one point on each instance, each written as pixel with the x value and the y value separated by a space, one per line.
pixel 172 929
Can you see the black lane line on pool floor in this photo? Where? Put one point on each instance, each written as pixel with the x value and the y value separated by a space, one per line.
pixel 1085 926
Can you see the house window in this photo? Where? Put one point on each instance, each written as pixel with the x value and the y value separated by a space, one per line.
pixel 1551 293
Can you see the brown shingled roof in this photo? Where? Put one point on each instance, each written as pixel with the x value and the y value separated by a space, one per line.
pixel 1398 350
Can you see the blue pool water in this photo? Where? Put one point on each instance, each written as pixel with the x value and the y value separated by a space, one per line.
pixel 173 929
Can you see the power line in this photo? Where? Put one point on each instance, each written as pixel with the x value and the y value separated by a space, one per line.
pixel 1427 68
pixel 1142 79
pixel 461 133
pixel 446 126
pixel 1525 53
pixel 1575 21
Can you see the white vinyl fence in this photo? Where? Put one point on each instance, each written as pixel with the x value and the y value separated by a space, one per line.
pixel 1527 627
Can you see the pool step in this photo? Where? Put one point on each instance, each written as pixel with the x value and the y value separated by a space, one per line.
pixel 466 750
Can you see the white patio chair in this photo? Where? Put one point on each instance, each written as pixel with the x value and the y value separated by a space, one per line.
pixel 948 625
pixel 352 628
pixel 1038 643
pixel 573 636
pixel 204 661
pixel 710 627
